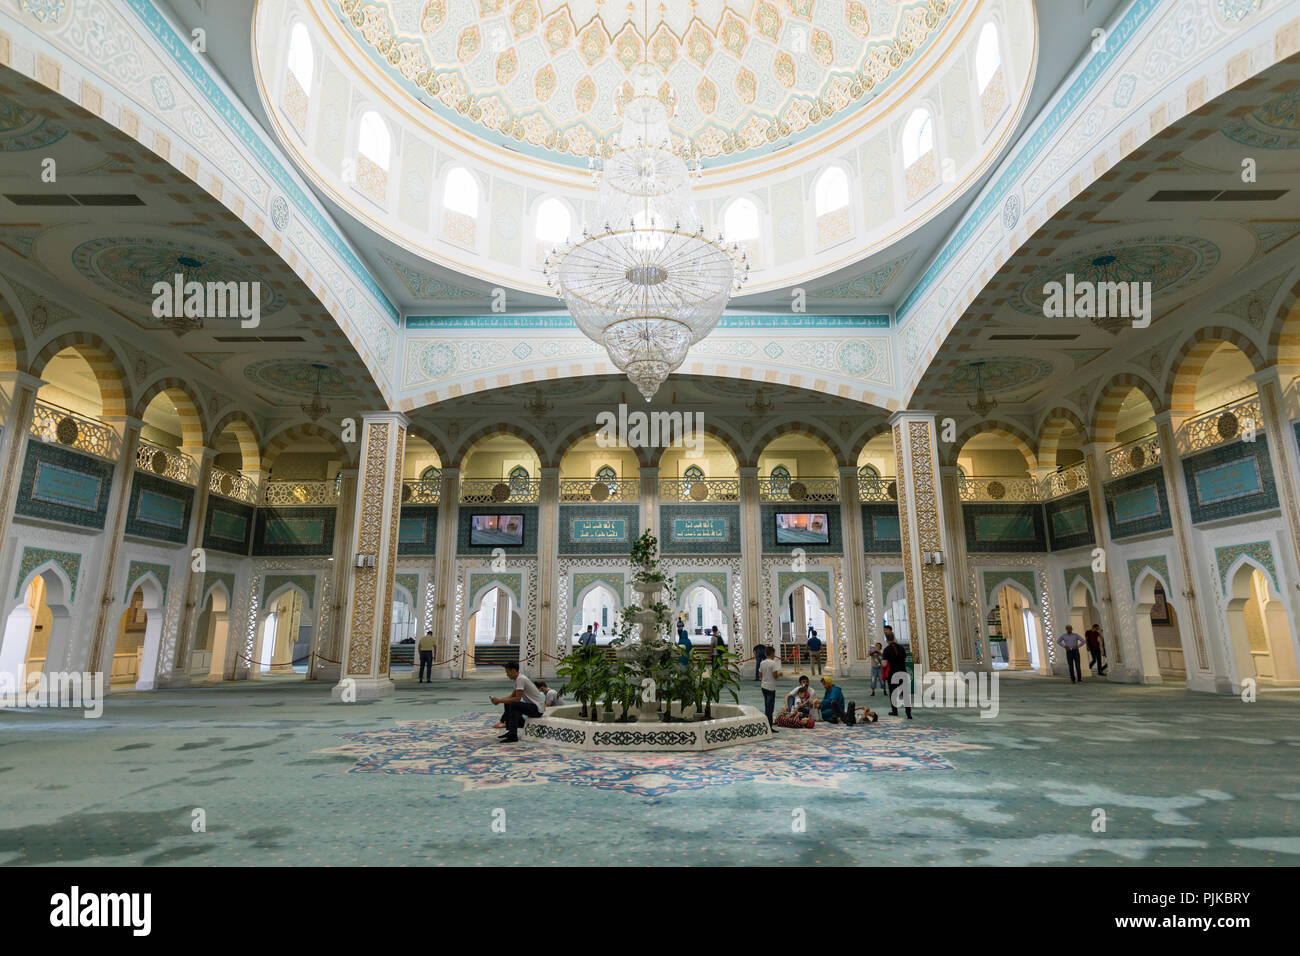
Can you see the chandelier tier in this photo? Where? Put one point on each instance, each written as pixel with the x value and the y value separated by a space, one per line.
pixel 647 284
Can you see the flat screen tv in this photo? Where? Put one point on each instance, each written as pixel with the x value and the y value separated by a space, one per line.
pixel 496 531
pixel 802 527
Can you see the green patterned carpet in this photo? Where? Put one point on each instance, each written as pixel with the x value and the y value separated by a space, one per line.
pixel 285 776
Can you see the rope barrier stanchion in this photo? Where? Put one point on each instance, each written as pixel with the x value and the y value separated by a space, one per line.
pixel 289 664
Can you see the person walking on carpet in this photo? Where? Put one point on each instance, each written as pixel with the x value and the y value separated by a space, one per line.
pixel 1072 642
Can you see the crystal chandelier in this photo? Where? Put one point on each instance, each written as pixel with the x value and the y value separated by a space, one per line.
pixel 317 408
pixel 190 270
pixel 982 404
pixel 647 284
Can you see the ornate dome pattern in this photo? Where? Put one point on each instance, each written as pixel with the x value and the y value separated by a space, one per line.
pixel 741 75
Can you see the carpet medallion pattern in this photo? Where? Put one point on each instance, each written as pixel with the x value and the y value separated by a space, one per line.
pixel 465 748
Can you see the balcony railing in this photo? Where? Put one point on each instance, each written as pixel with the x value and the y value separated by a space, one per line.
pixel 421 492
pixel 498 491
pixel 1064 482
pixel 1240 419
pixel 996 488
pixel 598 490
pixel 288 493
pixel 699 489
pixel 1133 456
pixel 166 463
pixel 58 426
pixel 233 485
pixel 799 489
pixel 880 489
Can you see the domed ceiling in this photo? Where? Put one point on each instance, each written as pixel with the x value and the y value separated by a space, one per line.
pixel 744 74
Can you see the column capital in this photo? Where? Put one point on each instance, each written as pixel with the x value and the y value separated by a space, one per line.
pixel 747 471
pixel 912 415
pixel 1269 376
pixel 15 377
pixel 848 471
pixel 199 453
pixel 949 471
pixel 123 422
pixel 548 471
pixel 386 416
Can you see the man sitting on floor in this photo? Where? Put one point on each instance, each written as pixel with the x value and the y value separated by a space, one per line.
pixel 524 701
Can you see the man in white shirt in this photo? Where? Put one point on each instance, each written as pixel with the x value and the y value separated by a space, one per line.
pixel 767 675
pixel 551 695
pixel 524 701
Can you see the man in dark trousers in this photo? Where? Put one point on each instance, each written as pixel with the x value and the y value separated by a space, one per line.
pixel 1072 642
pixel 524 701
pixel 760 652
pixel 1096 649
pixel 900 689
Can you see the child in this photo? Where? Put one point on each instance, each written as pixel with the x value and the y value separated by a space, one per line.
pixel 868 715
pixel 803 701
pixel 876 663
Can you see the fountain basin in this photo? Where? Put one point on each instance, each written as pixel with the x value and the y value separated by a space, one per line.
pixel 731 725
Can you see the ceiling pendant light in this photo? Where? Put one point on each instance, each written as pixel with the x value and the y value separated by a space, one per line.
pixel 317 408
pixel 982 404
pixel 649 284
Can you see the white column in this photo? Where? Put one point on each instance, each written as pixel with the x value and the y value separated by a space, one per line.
pixel 755 629
pixel 1139 665
pixel 963 605
pixel 18 393
pixel 444 592
pixel 103 634
pixel 548 558
pixel 176 673
pixel 1206 653
pixel 855 561
pixel 327 654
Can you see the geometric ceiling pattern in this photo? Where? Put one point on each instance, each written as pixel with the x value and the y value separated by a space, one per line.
pixel 740 75
pixel 1168 262
pixel 299 378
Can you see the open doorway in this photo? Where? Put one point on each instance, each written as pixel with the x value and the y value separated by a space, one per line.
pixel 495 626
pixel 139 635
pixel 1158 631
pixel 1014 631
pixel 1260 629
pixel 31 627
pixel 284 639
pixel 211 635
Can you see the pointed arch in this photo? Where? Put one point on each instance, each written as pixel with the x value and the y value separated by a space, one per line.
pixel 814 431
pixel 1284 336
pixel 433 438
pixel 246 432
pixel 282 440
pixel 1017 435
pixel 188 409
pixel 1007 581
pixel 110 373
pixel 211 591
pixel 13 343
pixel 1190 359
pixel 866 437
pixel 285 588
pixel 1105 414
pixel 526 435
pixel 1055 425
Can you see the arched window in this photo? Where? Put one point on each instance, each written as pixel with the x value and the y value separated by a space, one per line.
pixel 740 225
pixel 988 74
pixel 693 473
pixel 868 472
pixel 432 473
pixel 374 150
pixel 780 479
pixel 460 206
pixel 831 205
pixel 740 221
pixel 607 476
pixel 518 480
pixel 553 227
pixel 920 168
pixel 298 76
pixel 373 139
